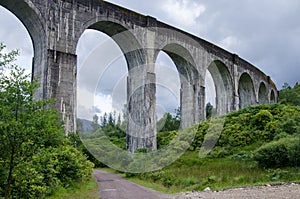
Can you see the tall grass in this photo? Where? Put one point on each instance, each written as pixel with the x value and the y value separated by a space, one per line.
pixel 192 174
pixel 88 190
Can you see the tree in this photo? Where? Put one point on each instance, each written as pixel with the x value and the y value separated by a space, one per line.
pixel 27 128
pixel 103 120
pixel 119 122
pixel 95 124
pixel 209 110
pixel 169 122
pixel 111 119
pixel 22 119
pixel 289 95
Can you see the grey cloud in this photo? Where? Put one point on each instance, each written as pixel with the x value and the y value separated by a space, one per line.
pixel 266 32
pixel 96 109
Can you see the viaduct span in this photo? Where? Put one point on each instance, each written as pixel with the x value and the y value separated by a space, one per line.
pixel 55 27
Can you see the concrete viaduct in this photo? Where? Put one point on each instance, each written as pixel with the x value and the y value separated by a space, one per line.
pixel 55 27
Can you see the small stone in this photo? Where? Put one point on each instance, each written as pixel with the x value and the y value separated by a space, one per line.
pixel 207 189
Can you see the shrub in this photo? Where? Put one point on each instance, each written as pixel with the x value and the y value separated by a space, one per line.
pixel 281 153
pixel 49 169
pixel 261 119
pixel 164 138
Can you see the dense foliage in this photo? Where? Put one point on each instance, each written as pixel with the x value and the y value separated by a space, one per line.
pixel 169 122
pixel 36 157
pixel 289 95
pixel 253 126
pixel 259 144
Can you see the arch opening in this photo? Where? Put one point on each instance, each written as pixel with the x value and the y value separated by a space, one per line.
pixel 29 16
pixel 272 97
pixel 20 20
pixel 263 94
pixel 102 76
pixel 223 87
pixel 189 82
pixel 124 39
pixel 210 95
pixel 167 92
pixel 13 28
pixel 246 91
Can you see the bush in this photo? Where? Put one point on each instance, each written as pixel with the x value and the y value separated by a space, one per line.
pixel 164 138
pixel 281 153
pixel 49 169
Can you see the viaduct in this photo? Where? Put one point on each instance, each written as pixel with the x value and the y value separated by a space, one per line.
pixel 55 27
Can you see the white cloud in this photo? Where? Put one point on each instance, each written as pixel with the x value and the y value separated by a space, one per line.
pixel 183 12
pixel 230 43
pixel 90 104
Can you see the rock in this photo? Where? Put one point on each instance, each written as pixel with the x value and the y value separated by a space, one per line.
pixel 207 189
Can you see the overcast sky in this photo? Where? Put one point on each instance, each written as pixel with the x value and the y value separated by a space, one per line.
pixel 264 32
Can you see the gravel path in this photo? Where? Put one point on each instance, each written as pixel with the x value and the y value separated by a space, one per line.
pixel 285 191
pixel 112 186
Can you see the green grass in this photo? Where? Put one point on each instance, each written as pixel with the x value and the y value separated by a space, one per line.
pixel 231 163
pixel 192 174
pixel 88 190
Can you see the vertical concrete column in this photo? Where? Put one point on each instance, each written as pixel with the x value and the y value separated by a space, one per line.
pixel 141 123
pixel 236 97
pixel 192 101
pixel 201 104
pixel 61 85
pixel 199 96
pixel 141 92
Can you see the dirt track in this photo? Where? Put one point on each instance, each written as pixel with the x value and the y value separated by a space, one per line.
pixel 112 186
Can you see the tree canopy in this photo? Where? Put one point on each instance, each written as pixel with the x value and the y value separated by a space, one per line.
pixel 290 95
pixel 35 155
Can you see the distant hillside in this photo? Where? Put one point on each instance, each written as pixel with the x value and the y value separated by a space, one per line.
pixel 84 125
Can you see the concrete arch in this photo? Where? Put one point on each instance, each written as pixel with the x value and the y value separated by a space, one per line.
pixel 140 85
pixel 32 19
pixel 246 91
pixel 263 94
pixel 127 42
pixel 189 80
pixel 183 60
pixel 272 97
pixel 223 86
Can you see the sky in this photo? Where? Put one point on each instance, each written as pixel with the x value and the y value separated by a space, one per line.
pixel 266 33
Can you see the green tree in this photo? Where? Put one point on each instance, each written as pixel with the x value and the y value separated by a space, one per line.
pixel 95 123
pixel 289 95
pixel 111 119
pixel 119 122
pixel 22 119
pixel 103 120
pixel 209 110
pixel 27 127
pixel 169 122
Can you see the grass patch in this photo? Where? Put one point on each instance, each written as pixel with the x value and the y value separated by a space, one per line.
pixel 189 173
pixel 88 190
pixel 239 156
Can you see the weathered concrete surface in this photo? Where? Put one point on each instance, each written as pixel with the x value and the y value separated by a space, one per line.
pixel 55 27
